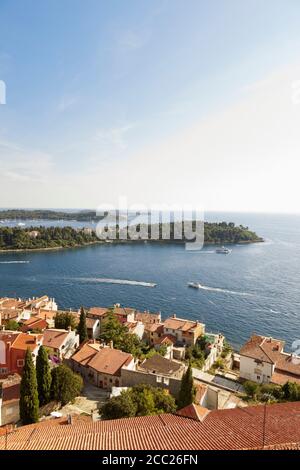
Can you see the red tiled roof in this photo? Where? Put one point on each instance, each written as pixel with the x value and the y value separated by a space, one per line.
pixel 193 411
pixel 147 317
pixel 180 324
pixel 26 341
pixel 280 378
pixel 166 339
pixel 252 427
pixel 98 311
pixel 109 361
pixel 54 338
pixel 270 350
pixel 34 323
pixel 160 365
pixel 154 327
pixel 86 353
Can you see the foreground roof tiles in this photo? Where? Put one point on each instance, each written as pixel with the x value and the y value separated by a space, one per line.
pixel 254 427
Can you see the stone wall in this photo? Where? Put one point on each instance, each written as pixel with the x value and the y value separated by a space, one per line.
pixel 134 377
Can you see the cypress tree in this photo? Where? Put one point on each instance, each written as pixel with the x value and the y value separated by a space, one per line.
pixel 82 330
pixel 29 402
pixel 187 389
pixel 43 375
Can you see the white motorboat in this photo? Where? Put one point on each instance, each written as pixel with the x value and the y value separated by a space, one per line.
pixel 223 250
pixel 195 285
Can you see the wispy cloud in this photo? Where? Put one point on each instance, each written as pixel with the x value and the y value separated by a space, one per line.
pixel 66 102
pixel 114 137
pixel 23 165
pixel 130 40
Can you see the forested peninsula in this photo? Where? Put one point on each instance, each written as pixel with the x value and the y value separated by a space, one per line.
pixel 36 238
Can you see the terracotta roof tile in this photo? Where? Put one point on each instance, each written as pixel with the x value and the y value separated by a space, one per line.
pixel 160 365
pixel 86 353
pixel 54 338
pixel 220 429
pixel 193 411
pixel 109 361
pixel 26 341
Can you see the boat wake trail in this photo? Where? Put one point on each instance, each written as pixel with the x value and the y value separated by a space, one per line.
pixel 14 262
pixel 117 281
pixel 224 291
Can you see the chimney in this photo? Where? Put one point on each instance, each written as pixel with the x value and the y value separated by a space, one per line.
pixel 111 345
pixel 69 329
pixel 70 419
pixel 174 315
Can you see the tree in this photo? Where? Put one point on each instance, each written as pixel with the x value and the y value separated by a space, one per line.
pixel 251 388
pixel 130 343
pixel 81 329
pixel 43 375
pixel 64 320
pixel 112 329
pixel 12 325
pixel 29 402
pixel 66 385
pixel 152 400
pixel 119 407
pixel 140 400
pixel 187 389
pixel 291 391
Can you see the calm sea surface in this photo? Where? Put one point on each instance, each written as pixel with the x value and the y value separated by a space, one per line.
pixel 254 289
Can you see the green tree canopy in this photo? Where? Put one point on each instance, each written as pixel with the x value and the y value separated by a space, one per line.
pixel 82 329
pixel 140 400
pixel 65 384
pixel 12 325
pixel 43 375
pixel 64 320
pixel 112 329
pixel 29 402
pixel 187 389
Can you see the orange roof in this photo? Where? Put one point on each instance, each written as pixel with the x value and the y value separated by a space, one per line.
pixel 180 324
pixel 262 348
pixel 193 411
pixel 34 322
pixel 26 341
pixel 54 338
pixel 8 336
pixel 270 350
pixel 147 317
pixel 109 361
pixel 280 378
pixel 253 427
pixel 99 311
pixel 86 353
pixel 201 389
pixel 154 327
pixel 166 339
pixel 11 303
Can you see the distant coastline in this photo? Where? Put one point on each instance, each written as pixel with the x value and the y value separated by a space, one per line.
pixel 28 239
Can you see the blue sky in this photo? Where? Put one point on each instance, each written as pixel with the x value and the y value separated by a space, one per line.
pixel 110 98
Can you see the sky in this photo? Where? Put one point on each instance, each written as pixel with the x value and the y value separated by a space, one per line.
pixel 161 102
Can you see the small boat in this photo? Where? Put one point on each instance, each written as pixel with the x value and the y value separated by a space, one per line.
pixel 195 285
pixel 223 250
pixel 21 224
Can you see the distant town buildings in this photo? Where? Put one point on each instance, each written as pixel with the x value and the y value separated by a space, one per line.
pixel 263 360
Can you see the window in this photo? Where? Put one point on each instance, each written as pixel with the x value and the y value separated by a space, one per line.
pixel 258 377
pixel 166 380
pixel 3 370
pixel 158 379
pixel 20 362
